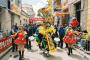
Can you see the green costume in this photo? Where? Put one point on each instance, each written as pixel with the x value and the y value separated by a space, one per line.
pixel 44 43
pixel 37 40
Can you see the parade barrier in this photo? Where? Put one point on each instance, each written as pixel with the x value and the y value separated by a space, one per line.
pixel 5 43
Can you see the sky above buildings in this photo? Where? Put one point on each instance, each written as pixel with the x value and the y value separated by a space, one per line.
pixel 37 4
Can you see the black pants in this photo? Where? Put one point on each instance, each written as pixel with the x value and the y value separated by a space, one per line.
pixel 40 36
pixel 53 36
pixel 61 41
pixel 14 47
pixel 66 45
pixel 28 44
pixel 21 54
pixel 69 51
pixel 87 45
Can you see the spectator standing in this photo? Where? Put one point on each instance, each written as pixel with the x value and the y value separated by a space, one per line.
pixel 15 28
pixel 61 34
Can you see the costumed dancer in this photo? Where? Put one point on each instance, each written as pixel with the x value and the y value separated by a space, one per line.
pixel 21 41
pixel 70 40
pixel 70 35
pixel 45 39
pixel 41 35
pixel 50 42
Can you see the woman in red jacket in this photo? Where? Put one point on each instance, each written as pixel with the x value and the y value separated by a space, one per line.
pixel 20 41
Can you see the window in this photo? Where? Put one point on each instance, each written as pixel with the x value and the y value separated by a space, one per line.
pixel 8 4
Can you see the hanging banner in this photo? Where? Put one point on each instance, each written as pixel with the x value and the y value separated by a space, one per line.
pixel 36 19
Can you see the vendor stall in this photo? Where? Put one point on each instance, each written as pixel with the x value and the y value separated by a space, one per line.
pixel 5 42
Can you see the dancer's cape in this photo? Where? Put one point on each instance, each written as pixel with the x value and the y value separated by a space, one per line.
pixel 48 42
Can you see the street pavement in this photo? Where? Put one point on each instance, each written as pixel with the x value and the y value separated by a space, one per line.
pixel 36 54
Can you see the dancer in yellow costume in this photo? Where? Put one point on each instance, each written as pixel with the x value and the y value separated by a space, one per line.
pixel 41 37
pixel 47 32
pixel 42 30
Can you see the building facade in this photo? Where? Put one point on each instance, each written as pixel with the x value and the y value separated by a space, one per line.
pixel 27 13
pixel 65 12
pixel 24 18
pixel 5 17
pixel 9 14
pixel 73 8
pixel 81 10
pixel 60 12
pixel 15 9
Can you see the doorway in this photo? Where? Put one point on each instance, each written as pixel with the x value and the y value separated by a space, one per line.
pixel 78 11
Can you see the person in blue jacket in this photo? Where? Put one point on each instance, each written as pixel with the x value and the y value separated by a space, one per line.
pixel 61 35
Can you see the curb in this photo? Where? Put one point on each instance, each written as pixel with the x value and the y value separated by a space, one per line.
pixel 5 52
pixel 85 55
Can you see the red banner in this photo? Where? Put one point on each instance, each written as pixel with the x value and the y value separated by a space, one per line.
pixel 36 19
pixel 5 43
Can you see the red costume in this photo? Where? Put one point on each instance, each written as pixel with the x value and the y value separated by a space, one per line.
pixel 68 39
pixel 74 23
pixel 21 38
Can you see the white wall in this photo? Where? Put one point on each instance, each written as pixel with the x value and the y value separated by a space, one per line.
pixel 6 21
